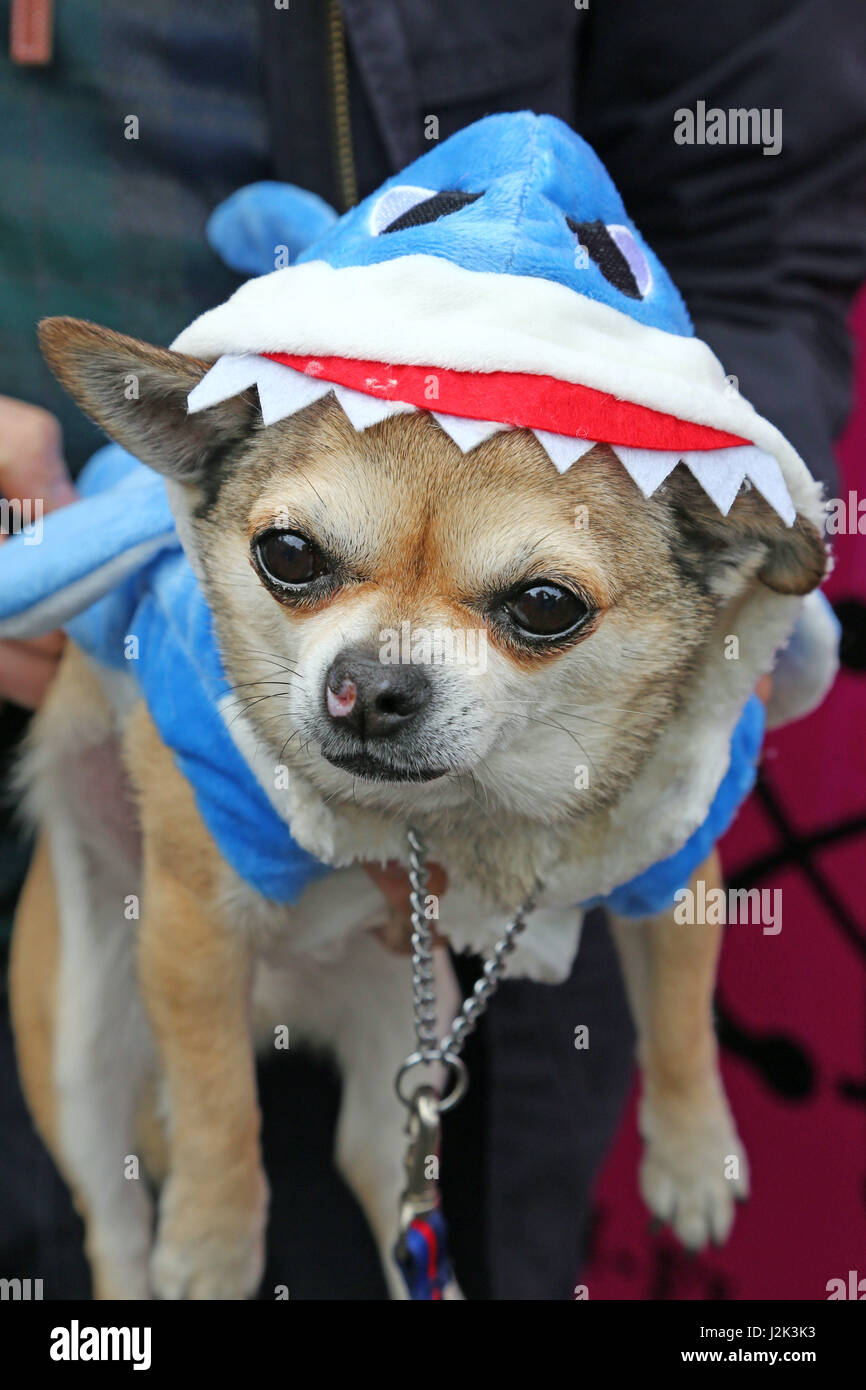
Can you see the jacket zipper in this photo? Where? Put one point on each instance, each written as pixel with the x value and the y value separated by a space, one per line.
pixel 347 182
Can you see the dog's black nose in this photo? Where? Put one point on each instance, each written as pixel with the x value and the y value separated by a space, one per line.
pixel 374 699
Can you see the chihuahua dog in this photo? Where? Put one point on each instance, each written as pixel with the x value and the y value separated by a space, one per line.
pixel 309 540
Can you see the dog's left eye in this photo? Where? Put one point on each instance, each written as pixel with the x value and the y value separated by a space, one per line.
pixel 289 559
pixel 546 610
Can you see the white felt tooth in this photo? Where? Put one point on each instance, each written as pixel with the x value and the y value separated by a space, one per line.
pixel 364 410
pixel 468 433
pixel 283 390
pixel 720 472
pixel 648 468
pixel 765 473
pixel 563 449
pixel 229 376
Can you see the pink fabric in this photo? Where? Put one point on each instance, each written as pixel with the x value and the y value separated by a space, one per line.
pixel 806 1222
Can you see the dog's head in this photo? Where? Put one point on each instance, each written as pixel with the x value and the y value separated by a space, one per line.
pixel 419 628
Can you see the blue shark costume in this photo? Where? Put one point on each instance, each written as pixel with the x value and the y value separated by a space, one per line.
pixel 515 204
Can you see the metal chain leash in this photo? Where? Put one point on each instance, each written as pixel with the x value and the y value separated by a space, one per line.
pixel 424 987
pixel 421 1250
pixel 423 983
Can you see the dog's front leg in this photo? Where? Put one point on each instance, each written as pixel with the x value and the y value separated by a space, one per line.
pixel 195 969
pixel 694 1166
pixel 195 974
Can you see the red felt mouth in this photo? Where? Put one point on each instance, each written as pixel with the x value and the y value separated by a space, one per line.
pixel 521 399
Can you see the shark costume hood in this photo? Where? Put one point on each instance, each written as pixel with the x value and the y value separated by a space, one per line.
pixel 497 283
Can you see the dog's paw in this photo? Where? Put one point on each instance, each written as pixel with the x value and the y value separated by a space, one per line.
pixel 694 1168
pixel 206 1253
pixel 119 1281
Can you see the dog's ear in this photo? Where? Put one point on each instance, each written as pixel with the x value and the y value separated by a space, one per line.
pixel 138 394
pixel 752 538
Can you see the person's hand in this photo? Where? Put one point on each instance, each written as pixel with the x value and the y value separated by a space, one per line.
pixel 32 468
pixel 393 882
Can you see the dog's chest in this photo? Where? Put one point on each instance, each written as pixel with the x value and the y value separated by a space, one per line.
pixel 304 952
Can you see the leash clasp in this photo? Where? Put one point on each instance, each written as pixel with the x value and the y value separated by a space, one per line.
pixel 421 1193
pixel 421 1251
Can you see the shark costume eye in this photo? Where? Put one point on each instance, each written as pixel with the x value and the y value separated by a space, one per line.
pixel 408 206
pixel 616 253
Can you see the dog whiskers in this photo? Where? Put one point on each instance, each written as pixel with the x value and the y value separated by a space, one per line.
pixel 269 680
pixel 245 703
pixel 552 724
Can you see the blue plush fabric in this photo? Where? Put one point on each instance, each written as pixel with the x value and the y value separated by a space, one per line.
pixel 251 227
pixel 533 173
pixel 654 889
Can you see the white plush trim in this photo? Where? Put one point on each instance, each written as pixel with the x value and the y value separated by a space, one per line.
pixel 426 311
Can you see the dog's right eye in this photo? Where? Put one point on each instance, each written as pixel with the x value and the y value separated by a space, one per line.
pixel 547 610
pixel 289 559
